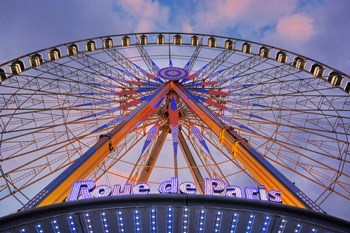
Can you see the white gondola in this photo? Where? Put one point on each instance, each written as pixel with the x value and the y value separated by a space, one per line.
pixel 36 60
pixel 229 45
pixel 177 39
pixel 90 46
pixel 246 47
pixel 72 49
pixel 126 41
pixel 17 67
pixel 143 40
pixel 299 63
pixel 335 79
pixel 212 42
pixel 264 52
pixel 2 75
pixel 317 70
pixel 194 41
pixel 281 57
pixel 54 54
pixel 107 43
pixel 160 39
pixel 347 87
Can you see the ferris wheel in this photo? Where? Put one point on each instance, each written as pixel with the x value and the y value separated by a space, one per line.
pixel 146 107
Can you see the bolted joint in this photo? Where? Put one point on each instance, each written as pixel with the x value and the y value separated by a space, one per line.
pixel 111 148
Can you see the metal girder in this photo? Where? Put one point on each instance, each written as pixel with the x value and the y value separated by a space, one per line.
pixel 124 62
pixel 196 174
pixel 195 55
pixel 251 159
pixel 240 68
pixel 151 161
pixel 60 187
pixel 215 63
pixel 146 58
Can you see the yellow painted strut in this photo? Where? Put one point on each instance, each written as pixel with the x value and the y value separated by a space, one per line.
pixel 59 189
pixel 242 151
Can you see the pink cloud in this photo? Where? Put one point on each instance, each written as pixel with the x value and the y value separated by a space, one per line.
pixel 186 27
pixel 222 14
pixel 211 14
pixel 295 28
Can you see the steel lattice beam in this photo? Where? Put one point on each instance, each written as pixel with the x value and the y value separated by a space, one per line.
pixel 146 58
pixel 151 161
pixel 195 55
pixel 196 174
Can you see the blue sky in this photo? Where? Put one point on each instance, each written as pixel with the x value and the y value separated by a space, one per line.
pixel 318 29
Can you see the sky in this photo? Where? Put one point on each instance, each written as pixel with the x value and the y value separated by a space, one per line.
pixel 318 29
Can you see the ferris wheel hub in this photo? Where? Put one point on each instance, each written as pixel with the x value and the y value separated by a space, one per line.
pixel 172 73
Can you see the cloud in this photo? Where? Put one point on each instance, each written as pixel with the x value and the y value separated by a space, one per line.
pixel 146 15
pixel 330 44
pixel 210 14
pixel 248 16
pixel 295 28
pixel 187 28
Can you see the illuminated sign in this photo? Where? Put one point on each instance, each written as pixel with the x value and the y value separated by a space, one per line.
pixel 87 189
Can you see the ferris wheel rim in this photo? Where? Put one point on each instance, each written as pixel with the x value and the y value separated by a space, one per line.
pixel 288 52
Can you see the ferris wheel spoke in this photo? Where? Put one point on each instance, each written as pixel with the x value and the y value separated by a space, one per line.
pixel 36 93
pixel 41 130
pixel 274 93
pixel 86 77
pixel 203 158
pixel 32 183
pixel 314 179
pixel 142 166
pixel 135 171
pixel 152 67
pixel 313 123
pixel 153 155
pixel 24 148
pixel 234 123
pixel 300 102
pixel 49 123
pixel 256 75
pixel 286 140
pixel 131 70
pixel 199 145
pixel 290 129
pixel 213 65
pixel 74 72
pixel 230 73
pixel 195 55
pixel 191 163
pixel 31 173
pixel 102 68
pixel 293 149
